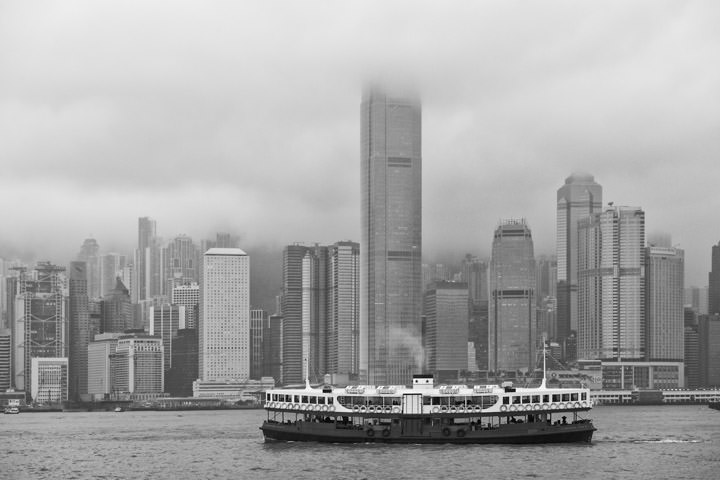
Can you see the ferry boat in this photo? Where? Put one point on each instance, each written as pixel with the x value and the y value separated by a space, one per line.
pixel 13 407
pixel 425 413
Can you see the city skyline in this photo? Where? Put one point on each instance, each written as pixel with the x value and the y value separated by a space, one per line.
pixel 112 131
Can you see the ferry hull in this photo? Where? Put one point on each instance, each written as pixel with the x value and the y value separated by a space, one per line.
pixel 508 434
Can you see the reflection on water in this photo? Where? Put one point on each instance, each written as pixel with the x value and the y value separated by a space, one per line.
pixel 652 442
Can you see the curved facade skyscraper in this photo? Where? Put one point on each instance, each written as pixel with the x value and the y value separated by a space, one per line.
pixel 391 246
pixel 511 327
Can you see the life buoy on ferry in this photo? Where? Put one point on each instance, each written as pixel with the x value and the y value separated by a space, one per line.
pixel 477 409
pixel 577 404
pixel 503 408
pixel 553 406
pixel 331 408
pixel 324 408
pixel 363 409
pixel 396 409
pixel 444 409
pixel 584 404
pixel 388 409
pixel 356 408
pixel 528 408
pixel 446 431
pixel 436 409
pixel 453 409
pixel 561 405
pixel 513 408
pixel 545 406
pixel 370 432
pixel 283 405
pixel 536 407
pixel 461 409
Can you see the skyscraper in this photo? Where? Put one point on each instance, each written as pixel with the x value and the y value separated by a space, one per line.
pixel 165 320
pixel 714 282
pixel 111 267
pixel 611 286
pixel 343 296
pixel 445 306
pixel 78 321
pixel 40 319
pixel 224 335
pixel 578 198
pixel 391 244
pixel 664 310
pixel 189 297
pixel 117 311
pixel 511 327
pixel 90 254
pixel 293 337
pixel 147 261
pixel 181 258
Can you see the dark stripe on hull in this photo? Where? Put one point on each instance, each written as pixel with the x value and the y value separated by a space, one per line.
pixel 551 434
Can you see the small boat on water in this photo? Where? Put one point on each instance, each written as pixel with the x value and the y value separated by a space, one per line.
pixel 13 407
pixel 428 414
pixel 119 409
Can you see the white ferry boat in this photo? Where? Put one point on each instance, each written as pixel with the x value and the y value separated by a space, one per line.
pixel 428 414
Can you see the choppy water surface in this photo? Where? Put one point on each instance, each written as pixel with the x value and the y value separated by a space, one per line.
pixel 631 442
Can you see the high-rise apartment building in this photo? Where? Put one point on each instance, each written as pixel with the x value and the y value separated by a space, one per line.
pixel 224 334
pixel 40 319
pixel 611 285
pixel 511 326
pixel 714 281
pixel 90 254
pixel 79 330
pixel 320 307
pixel 391 244
pixel 664 311
pixel 445 308
pixel 579 197
pixel 343 308
pixel 5 359
pixel 257 326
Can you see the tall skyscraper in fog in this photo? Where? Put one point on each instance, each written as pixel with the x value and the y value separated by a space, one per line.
pixel 578 198
pixel 90 254
pixel 144 258
pixel 224 335
pixel 714 282
pixel 78 322
pixel 511 326
pixel 611 286
pixel 664 311
pixel 391 244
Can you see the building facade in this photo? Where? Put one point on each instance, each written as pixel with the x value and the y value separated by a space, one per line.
pixel 578 198
pixel 165 320
pixel 512 325
pixel 188 295
pixel 79 330
pixel 137 366
pixel 224 334
pixel 49 384
pixel 391 243
pixel 445 308
pixel 714 281
pixel 611 285
pixel 664 310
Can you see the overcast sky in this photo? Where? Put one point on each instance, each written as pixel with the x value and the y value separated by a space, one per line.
pixel 244 117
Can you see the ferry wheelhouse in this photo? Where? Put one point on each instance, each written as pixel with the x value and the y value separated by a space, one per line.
pixel 428 414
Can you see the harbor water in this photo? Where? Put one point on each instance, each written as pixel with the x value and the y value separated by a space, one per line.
pixel 654 442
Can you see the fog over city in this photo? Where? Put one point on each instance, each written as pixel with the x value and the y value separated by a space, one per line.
pixel 245 117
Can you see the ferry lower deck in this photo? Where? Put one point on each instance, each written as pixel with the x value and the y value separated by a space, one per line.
pixel 511 428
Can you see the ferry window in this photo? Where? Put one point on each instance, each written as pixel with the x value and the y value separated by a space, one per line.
pixel 536 399
pixel 565 397
pixel 435 400
pixel 275 397
pixel 426 400
pixel 506 400
pixel 297 398
pixel 546 398
pixel 304 399
pixel 526 399
pixel 583 396
pixel 288 398
pixel 574 397
pixel 556 397
pixel 313 400
pixel 516 399
pixel 321 400
pixel 267 397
